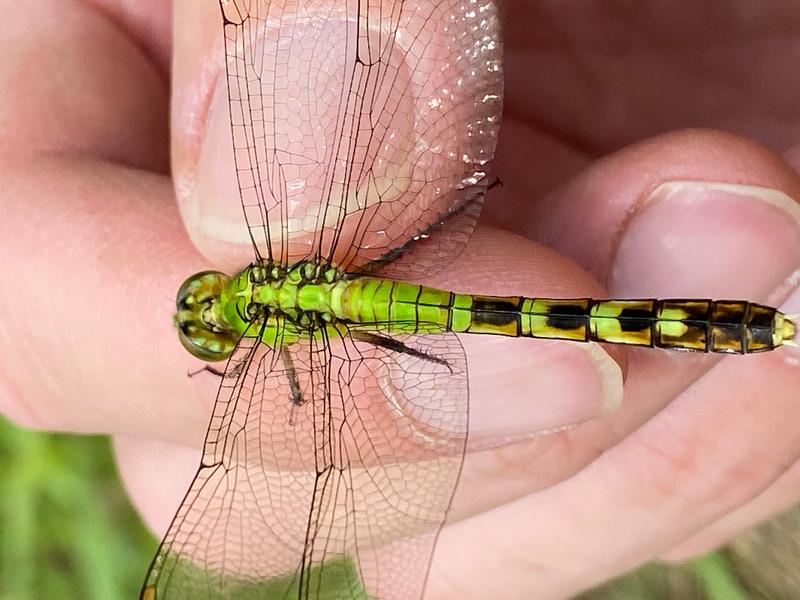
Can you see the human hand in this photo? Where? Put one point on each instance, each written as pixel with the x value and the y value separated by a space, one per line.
pixel 91 220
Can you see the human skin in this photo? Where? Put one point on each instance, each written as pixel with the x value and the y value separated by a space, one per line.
pixel 700 448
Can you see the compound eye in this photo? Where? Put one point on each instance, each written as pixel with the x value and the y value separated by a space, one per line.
pixel 200 288
pixel 206 346
pixel 200 329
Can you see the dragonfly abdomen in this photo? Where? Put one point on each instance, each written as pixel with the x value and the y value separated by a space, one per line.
pixel 726 326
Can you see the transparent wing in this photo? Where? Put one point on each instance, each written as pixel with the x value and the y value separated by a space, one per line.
pixel 431 249
pixel 327 473
pixel 358 124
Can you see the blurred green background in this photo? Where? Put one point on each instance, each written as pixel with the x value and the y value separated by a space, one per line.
pixel 67 531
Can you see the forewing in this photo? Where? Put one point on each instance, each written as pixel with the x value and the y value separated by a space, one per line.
pixel 358 124
pixel 431 249
pixel 338 497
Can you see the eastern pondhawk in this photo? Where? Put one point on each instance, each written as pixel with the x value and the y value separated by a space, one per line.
pixel 339 429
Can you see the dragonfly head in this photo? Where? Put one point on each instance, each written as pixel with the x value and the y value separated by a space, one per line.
pixel 201 326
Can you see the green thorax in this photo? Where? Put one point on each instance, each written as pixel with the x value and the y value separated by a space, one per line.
pixel 302 293
pixel 280 304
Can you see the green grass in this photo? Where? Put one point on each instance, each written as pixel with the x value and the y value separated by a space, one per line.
pixel 67 531
pixel 66 527
pixel 335 579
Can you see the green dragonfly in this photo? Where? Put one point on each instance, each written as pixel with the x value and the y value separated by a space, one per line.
pixel 339 429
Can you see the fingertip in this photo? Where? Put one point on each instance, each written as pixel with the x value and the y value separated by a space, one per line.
pixel 707 238
pixel 584 219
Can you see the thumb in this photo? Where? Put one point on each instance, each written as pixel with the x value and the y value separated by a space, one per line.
pixel 347 133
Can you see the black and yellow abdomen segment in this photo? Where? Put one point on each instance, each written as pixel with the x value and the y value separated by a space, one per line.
pixel 726 326
pixel 729 326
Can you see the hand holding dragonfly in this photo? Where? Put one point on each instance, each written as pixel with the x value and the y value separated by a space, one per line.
pixel 545 512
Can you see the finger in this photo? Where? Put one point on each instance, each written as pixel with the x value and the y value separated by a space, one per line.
pixel 735 268
pixel 95 280
pixel 88 109
pixel 88 245
pixel 623 182
pixel 600 102
pixel 511 378
pixel 575 111
pixel 708 452
pixel 156 475
pixel 659 236
pixel 204 169
pixel 87 336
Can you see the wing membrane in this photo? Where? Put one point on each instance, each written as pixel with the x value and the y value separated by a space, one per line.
pixel 340 496
pixel 357 124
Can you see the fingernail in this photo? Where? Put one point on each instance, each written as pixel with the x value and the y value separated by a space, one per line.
pixel 694 238
pixel 541 387
pixel 285 139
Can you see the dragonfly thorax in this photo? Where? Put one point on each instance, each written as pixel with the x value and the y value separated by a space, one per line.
pixel 294 292
pixel 281 304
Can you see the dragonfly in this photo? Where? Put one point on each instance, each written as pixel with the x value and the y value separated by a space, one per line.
pixel 362 135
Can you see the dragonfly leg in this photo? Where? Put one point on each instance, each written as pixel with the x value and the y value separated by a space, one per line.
pixel 208 368
pixel 237 369
pixel 291 374
pixel 395 345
